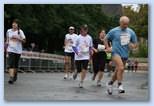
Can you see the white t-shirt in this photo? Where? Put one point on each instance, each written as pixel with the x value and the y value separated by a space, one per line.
pixel 70 39
pixel 15 46
pixel 83 43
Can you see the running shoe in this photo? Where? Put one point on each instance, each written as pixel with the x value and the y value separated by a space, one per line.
pixel 81 85
pixel 109 89
pixel 66 76
pixel 11 80
pixel 121 89
pixel 99 83
pixel 71 77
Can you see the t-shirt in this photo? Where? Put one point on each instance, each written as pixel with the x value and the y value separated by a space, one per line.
pixel 99 45
pixel 15 46
pixel 83 45
pixel 70 39
pixel 120 39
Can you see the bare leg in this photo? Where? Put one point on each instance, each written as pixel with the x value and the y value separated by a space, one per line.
pixel 83 75
pixel 66 60
pixel 11 74
pixel 100 75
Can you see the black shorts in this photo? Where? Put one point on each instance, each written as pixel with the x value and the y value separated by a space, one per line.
pixel 13 60
pixel 72 59
pixel 98 64
pixel 69 54
pixel 81 64
pixel 108 60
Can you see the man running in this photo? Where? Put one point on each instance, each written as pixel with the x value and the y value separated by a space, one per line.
pixel 123 39
pixel 83 50
pixel 70 39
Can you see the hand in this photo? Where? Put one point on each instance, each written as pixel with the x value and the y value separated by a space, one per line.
pixel 79 54
pixel 132 46
pixel 95 50
pixel 108 50
pixel 91 53
pixel 16 37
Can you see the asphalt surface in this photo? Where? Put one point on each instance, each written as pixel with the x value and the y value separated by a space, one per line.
pixel 52 87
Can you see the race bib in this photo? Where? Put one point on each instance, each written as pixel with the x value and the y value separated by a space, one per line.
pixel 125 39
pixel 85 50
pixel 100 47
pixel 68 48
pixel 69 45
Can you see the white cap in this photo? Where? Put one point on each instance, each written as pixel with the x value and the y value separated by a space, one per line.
pixel 71 27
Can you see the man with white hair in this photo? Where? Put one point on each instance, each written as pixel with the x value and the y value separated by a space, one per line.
pixel 123 39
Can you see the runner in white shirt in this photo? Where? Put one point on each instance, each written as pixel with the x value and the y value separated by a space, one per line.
pixel 70 39
pixel 83 50
pixel 15 38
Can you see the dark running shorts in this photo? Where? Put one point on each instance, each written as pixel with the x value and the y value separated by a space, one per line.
pixel 81 64
pixel 69 54
pixel 13 60
pixel 98 64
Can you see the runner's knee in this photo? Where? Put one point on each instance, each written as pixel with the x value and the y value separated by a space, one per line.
pixel 121 67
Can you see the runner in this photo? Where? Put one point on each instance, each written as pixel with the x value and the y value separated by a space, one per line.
pixel 83 49
pixel 99 57
pixel 123 39
pixel 70 38
pixel 15 38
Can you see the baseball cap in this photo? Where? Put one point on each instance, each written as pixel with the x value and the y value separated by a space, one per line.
pixel 71 27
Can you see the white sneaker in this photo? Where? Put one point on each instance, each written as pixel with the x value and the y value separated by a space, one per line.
pixel 66 76
pixel 81 85
pixel 71 77
pixel 121 89
pixel 99 83
pixel 109 89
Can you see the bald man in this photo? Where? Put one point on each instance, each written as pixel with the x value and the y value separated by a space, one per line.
pixel 123 39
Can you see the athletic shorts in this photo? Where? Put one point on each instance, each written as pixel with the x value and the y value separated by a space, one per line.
pixel 13 60
pixel 124 59
pixel 108 60
pixel 81 64
pixel 72 59
pixel 69 54
pixel 98 64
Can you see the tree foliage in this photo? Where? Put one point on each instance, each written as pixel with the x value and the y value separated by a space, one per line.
pixel 46 24
pixel 138 20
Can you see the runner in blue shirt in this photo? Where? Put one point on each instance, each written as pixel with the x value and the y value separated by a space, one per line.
pixel 123 39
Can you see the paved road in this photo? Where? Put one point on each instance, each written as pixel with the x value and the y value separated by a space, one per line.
pixel 52 86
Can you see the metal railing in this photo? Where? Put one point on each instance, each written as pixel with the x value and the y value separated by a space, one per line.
pixel 40 62
pixel 44 62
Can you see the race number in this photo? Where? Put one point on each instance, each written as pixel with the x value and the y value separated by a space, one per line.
pixel 125 39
